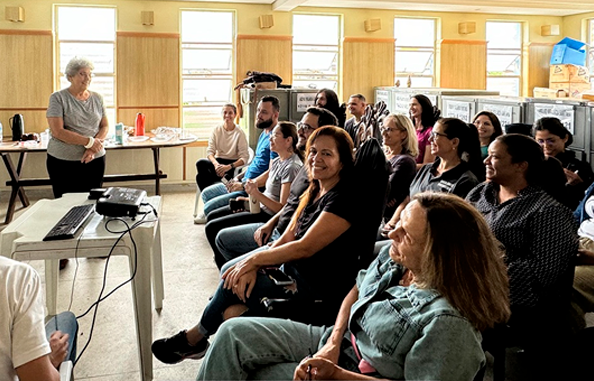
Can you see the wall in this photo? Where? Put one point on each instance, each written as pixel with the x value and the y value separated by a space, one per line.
pixel 368 60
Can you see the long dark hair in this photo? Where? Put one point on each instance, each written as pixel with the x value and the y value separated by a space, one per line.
pixel 429 113
pixel 523 148
pixel 469 148
pixel 333 105
pixel 344 146
pixel 555 127
pixel 498 131
pixel 289 129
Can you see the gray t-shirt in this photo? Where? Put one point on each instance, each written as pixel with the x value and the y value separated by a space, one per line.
pixel 281 172
pixel 82 117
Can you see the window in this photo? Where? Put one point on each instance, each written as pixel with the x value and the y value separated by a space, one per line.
pixel 590 60
pixel 207 68
pixel 504 57
pixel 316 51
pixel 89 32
pixel 415 51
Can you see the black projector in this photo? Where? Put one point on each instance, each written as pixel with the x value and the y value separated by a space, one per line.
pixel 120 202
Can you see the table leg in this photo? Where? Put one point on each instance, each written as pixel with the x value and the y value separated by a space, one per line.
pixel 157 270
pixel 141 296
pixel 51 285
pixel 14 174
pixel 21 163
pixel 157 170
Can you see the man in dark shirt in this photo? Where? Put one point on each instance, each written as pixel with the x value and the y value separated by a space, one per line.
pixel 356 106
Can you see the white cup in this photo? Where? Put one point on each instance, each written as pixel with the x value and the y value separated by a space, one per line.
pixel 254 205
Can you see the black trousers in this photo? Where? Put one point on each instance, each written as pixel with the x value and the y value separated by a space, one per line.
pixel 72 176
pixel 207 175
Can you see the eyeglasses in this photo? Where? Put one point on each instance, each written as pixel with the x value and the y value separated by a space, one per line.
pixel 434 135
pixel 86 75
pixel 388 129
pixel 304 127
pixel 549 141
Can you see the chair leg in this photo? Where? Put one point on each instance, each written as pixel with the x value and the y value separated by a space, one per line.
pixel 197 202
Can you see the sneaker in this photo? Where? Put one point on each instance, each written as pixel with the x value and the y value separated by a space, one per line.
pixel 200 219
pixel 174 349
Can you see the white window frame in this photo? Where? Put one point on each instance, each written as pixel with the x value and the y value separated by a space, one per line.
pixel 111 109
pixel 205 132
pixel 590 40
pixel 505 51
pixel 312 75
pixel 432 50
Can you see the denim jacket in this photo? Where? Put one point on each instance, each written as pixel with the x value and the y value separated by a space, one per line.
pixel 411 333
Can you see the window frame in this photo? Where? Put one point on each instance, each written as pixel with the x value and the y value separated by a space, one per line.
pixel 507 51
pixel 590 41
pixel 423 49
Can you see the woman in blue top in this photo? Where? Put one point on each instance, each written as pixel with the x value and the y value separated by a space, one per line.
pixel 414 314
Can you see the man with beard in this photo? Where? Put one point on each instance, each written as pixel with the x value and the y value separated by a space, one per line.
pixel 238 240
pixel 218 195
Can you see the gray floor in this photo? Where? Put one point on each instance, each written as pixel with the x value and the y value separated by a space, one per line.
pixel 190 278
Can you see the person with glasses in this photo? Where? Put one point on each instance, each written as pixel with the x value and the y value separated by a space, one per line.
pixel 416 313
pixel 488 127
pixel 78 125
pixel 457 167
pixel 554 139
pixel 423 115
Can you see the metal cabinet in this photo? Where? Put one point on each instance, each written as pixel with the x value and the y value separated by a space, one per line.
pixel 508 109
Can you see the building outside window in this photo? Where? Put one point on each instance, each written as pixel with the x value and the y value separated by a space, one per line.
pixel 207 68
pixel 316 51
pixel 88 32
pixel 504 57
pixel 415 51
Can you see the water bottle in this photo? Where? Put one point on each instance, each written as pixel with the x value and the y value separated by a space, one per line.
pixel 254 205
pixel 119 133
pixel 139 124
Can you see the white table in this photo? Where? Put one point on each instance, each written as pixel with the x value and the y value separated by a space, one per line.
pixel 23 240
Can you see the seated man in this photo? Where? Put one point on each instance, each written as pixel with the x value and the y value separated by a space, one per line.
pixel 356 107
pixel 218 195
pixel 235 241
pixel 24 349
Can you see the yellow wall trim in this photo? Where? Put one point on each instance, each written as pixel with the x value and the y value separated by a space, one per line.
pixel 23 108
pixel 462 42
pixel 144 34
pixel 26 32
pixel 541 43
pixel 368 39
pixel 149 107
pixel 263 37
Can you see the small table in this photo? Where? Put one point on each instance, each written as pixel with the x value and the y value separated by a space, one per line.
pixel 23 240
pixel 23 148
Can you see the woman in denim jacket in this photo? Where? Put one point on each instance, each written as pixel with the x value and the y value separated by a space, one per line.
pixel 415 313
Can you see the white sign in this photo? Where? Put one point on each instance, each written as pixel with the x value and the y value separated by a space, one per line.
pixel 460 110
pixel 305 101
pixel 504 113
pixel 565 113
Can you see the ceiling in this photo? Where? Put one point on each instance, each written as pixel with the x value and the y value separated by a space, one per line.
pixel 527 7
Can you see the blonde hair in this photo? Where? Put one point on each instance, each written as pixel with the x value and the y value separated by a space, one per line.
pixel 463 260
pixel 410 144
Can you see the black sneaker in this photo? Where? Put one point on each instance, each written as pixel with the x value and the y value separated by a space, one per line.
pixel 174 349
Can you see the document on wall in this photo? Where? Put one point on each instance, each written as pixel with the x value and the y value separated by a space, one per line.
pixel 565 113
pixel 460 110
pixel 401 103
pixel 382 95
pixel 305 101
pixel 504 113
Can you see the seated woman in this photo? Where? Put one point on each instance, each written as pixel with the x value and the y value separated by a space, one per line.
pixel 488 127
pixel 456 169
pixel 277 181
pixel 321 237
pixel 539 235
pixel 554 139
pixel 416 313
pixel 227 149
pixel 423 115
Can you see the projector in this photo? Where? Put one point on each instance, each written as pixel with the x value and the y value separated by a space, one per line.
pixel 120 202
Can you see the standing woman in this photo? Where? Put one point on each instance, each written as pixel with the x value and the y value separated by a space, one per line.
pixel 488 127
pixel 227 149
pixel 78 125
pixel 328 99
pixel 423 115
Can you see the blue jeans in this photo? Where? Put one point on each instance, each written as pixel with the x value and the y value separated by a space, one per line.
pixel 65 323
pixel 237 240
pixel 259 349
pixel 216 196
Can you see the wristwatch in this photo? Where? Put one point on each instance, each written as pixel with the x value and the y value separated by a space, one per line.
pixel 232 166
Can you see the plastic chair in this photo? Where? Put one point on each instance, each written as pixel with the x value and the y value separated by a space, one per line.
pixel 237 171
pixel 66 371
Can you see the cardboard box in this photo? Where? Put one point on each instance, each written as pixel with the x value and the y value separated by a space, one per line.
pixel 544 92
pixel 569 51
pixel 569 73
pixel 574 90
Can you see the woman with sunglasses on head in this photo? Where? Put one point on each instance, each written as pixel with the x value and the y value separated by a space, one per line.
pixel 457 167
pixel 488 127
pixel 554 139
pixel 415 313
pixel 423 115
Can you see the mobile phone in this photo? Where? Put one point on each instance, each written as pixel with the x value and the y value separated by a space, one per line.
pixel 278 276
pixel 236 205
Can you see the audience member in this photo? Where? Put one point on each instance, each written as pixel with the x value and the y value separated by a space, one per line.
pixel 488 127
pixel 235 241
pixel 218 195
pixel 322 237
pixel 227 149
pixel 277 181
pixel 423 115
pixel 328 99
pixel 416 313
pixel 554 139
pixel 356 107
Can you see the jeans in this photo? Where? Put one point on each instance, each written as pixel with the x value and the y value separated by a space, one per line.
pixel 216 196
pixel 65 323
pixel 259 348
pixel 237 240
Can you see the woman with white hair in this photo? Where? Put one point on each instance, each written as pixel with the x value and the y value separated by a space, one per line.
pixel 78 125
